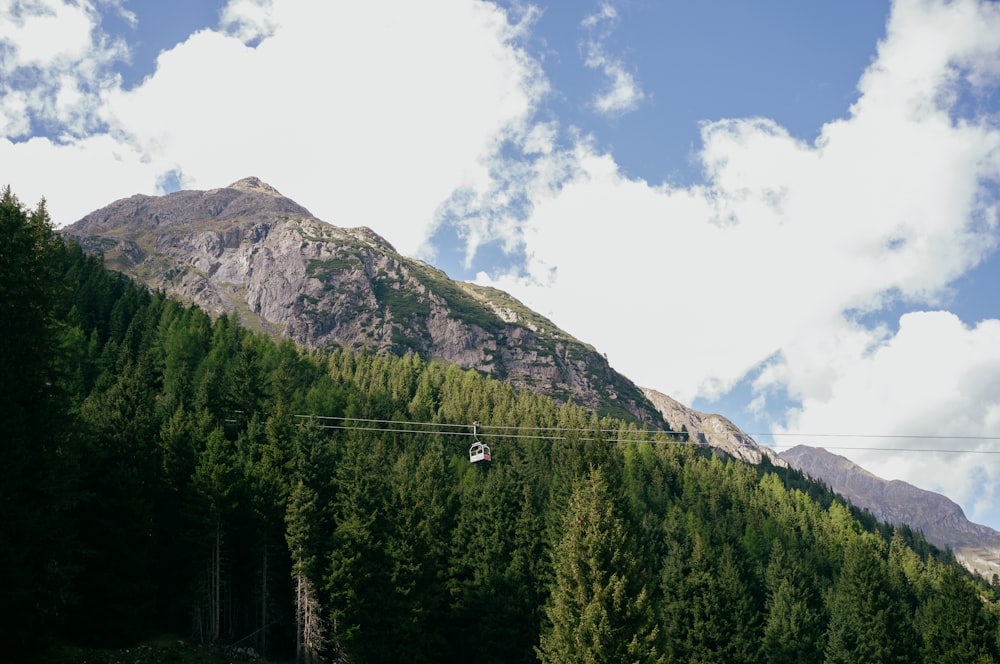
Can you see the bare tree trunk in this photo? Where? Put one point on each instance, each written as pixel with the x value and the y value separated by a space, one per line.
pixel 263 603
pixel 216 603
pixel 299 630
pixel 309 638
pixel 311 635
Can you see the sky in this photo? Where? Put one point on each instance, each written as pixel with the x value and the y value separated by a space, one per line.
pixel 782 212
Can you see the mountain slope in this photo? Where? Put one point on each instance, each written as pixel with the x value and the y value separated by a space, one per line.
pixel 941 520
pixel 247 250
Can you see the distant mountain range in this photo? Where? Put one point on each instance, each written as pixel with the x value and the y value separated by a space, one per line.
pixel 248 251
pixel 941 520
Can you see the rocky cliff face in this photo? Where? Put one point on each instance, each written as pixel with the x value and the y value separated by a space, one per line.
pixel 712 430
pixel 247 250
pixel 941 520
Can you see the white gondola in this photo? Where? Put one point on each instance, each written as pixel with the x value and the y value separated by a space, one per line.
pixel 479 451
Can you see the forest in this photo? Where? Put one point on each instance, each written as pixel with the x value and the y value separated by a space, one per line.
pixel 167 472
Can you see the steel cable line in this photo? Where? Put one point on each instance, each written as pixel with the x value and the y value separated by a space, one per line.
pixel 547 435
pixel 887 435
pixel 551 434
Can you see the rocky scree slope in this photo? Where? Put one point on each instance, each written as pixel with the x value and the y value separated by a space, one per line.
pixel 941 520
pixel 247 250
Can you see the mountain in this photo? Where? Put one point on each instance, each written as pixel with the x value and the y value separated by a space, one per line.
pixel 941 520
pixel 712 430
pixel 247 250
pixel 173 492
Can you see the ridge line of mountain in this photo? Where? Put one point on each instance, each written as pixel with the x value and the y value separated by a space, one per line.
pixel 248 251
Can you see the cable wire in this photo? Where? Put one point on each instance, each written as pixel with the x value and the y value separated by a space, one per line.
pixel 549 433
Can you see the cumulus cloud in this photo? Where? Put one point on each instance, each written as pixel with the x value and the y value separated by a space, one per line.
pixel 250 21
pixel 768 268
pixel 45 32
pixel 775 268
pixel 75 177
pixel 54 61
pixel 936 376
pixel 761 268
pixel 622 93
pixel 362 111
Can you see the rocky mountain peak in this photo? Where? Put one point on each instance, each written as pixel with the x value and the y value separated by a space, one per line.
pixel 248 251
pixel 255 185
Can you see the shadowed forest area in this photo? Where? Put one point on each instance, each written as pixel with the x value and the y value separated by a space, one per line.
pixel 161 476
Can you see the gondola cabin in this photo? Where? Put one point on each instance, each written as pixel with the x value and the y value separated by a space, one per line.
pixel 479 451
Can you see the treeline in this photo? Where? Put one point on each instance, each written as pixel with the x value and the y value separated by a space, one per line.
pixel 159 475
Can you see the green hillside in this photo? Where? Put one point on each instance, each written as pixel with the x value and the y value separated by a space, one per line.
pixel 167 473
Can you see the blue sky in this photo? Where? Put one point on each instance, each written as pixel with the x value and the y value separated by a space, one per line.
pixel 783 212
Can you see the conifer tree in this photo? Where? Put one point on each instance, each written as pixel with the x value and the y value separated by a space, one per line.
pixel 122 481
pixel 955 623
pixel 600 608
pixel 867 623
pixel 490 617
pixel 675 602
pixel 305 533
pixel 793 625
pixel 723 624
pixel 38 484
pixel 417 547
pixel 357 582
pixel 217 480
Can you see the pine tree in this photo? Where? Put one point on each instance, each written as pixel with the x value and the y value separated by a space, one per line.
pixel 793 625
pixel 955 623
pixel 217 480
pixel 494 598
pixel 118 592
pixel 723 620
pixel 306 526
pixel 357 586
pixel 38 485
pixel 600 608
pixel 867 622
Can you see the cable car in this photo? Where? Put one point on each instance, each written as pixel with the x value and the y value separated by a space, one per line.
pixel 479 451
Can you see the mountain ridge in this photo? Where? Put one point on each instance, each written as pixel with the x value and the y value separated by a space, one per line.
pixel 248 251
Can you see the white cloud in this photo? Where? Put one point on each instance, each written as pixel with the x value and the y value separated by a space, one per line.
pixel 785 237
pixel 44 33
pixel 84 175
pixel 934 377
pixel 623 93
pixel 362 111
pixel 249 20
pixel 54 60
pixel 762 270
pixel 14 121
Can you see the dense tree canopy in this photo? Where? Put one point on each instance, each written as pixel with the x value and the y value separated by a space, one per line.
pixel 168 471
